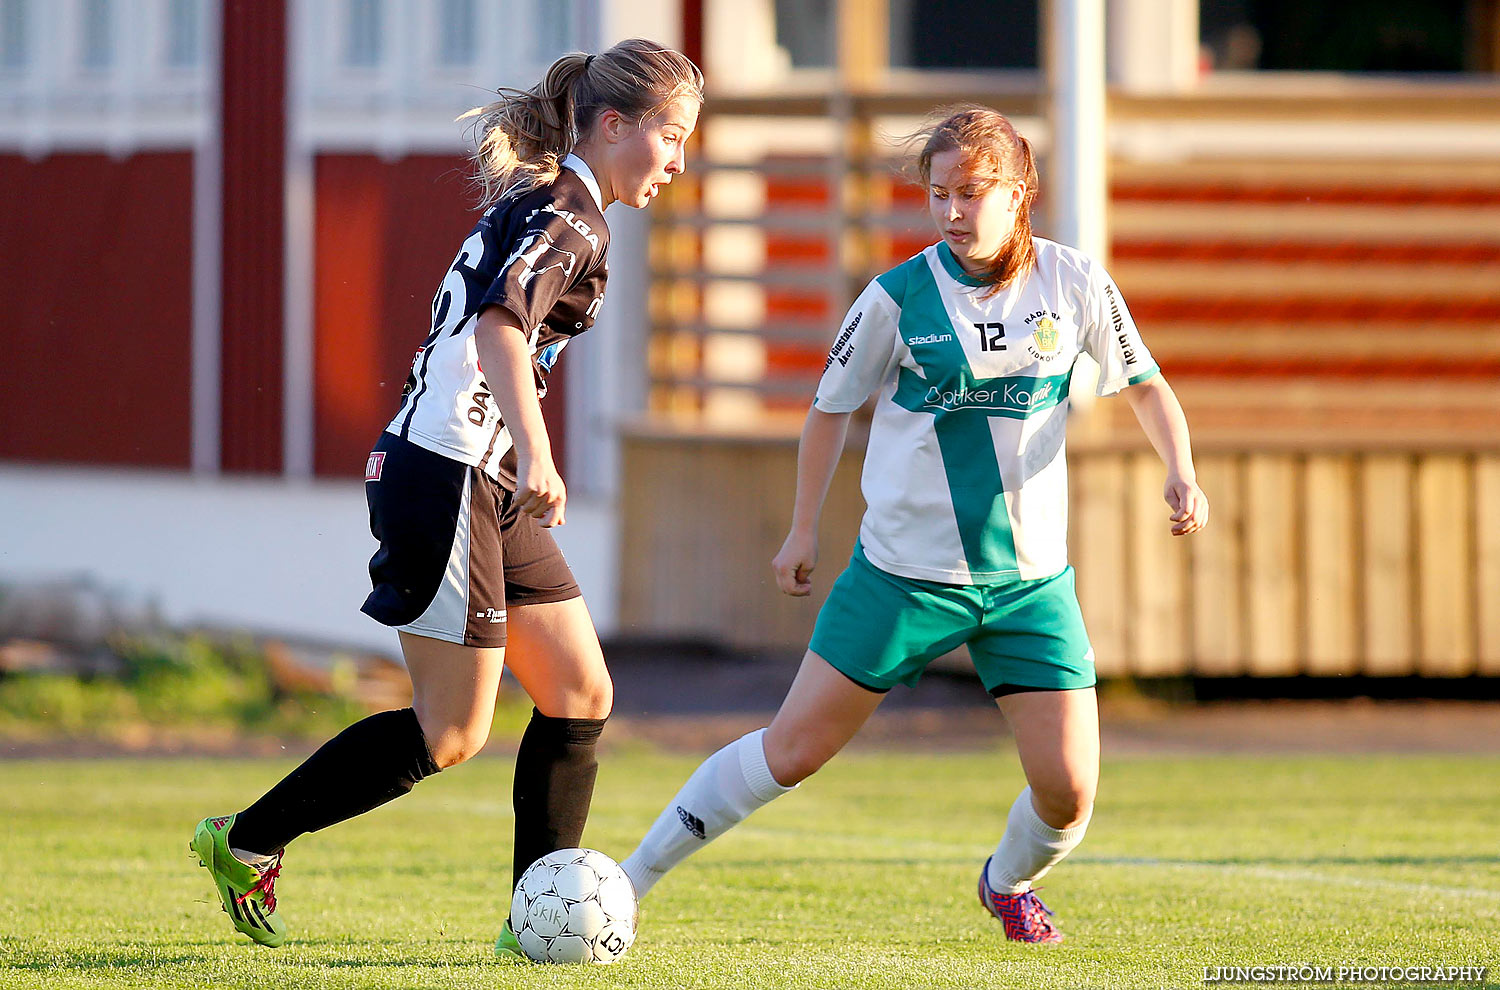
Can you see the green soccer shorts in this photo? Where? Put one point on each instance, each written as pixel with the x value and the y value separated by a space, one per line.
pixel 880 630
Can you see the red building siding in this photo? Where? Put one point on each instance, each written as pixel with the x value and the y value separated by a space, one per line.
pixel 96 273
pixel 385 233
pixel 254 136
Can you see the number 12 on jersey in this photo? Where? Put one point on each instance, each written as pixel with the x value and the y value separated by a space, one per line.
pixel 991 336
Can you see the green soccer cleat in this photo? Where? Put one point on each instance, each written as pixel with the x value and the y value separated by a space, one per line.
pixel 248 895
pixel 506 946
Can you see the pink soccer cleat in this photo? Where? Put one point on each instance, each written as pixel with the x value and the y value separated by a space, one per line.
pixel 1025 917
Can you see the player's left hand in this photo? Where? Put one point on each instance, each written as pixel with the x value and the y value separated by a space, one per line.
pixel 540 491
pixel 794 563
pixel 1189 505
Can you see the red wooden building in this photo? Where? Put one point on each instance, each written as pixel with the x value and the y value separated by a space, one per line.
pixel 224 220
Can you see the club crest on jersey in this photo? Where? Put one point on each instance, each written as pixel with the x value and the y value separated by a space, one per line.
pixel 375 465
pixel 1044 336
pixel 540 255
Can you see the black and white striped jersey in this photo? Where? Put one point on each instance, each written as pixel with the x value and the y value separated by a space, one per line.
pixel 539 254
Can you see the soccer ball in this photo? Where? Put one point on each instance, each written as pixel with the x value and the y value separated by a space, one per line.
pixel 574 906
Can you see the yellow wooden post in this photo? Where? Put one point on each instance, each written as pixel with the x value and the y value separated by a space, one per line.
pixel 1487 562
pixel 1158 566
pixel 1329 544
pixel 1385 518
pixel 1444 575
pixel 1274 614
pixel 1218 560
pixel 1099 547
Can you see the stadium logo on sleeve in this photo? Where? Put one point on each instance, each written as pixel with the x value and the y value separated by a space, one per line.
pixel 930 338
pixel 540 255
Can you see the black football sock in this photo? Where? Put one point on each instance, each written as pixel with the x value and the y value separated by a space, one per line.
pixel 375 760
pixel 554 783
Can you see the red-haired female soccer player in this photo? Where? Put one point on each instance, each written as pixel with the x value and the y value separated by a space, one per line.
pixel 462 484
pixel 969 348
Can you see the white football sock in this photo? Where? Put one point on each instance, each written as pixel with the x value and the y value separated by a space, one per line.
pixel 720 794
pixel 1030 847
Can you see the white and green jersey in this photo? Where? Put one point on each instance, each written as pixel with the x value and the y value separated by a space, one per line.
pixel 965 478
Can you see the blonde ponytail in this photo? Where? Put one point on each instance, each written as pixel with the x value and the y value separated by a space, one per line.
pixel 523 137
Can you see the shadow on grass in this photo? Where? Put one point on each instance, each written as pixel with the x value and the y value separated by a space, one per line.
pixel 73 960
pixel 447 965
pixel 91 959
pixel 819 862
pixel 823 862
pixel 29 955
pixel 1288 861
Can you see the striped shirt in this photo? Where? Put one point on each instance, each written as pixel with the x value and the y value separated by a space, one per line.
pixel 541 255
pixel 965 477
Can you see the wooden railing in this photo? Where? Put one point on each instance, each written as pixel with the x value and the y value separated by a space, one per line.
pixel 1328 311
pixel 1317 560
pixel 1322 562
pixel 1273 284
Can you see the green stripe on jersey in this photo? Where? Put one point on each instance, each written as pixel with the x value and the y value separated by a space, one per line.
pixel 952 267
pixel 961 407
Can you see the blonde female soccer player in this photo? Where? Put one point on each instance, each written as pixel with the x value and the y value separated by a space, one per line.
pixel 968 348
pixel 462 486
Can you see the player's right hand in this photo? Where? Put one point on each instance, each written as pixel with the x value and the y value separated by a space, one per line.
pixel 540 491
pixel 794 564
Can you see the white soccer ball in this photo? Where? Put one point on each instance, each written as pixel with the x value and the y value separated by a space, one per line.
pixel 574 906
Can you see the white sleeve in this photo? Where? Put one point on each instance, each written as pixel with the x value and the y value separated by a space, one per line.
pixel 863 355
pixel 1111 337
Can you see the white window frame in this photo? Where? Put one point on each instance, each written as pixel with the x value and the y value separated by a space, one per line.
pixel 136 102
pixel 112 39
pixel 28 41
pixel 410 99
pixel 163 38
pixel 431 37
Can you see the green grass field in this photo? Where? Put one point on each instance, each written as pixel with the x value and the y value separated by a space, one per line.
pixel 863 878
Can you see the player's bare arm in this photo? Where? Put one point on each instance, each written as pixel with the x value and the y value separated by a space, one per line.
pixel 817 457
pixel 1161 417
pixel 506 362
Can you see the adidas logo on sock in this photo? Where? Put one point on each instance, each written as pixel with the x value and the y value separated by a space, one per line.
pixel 691 822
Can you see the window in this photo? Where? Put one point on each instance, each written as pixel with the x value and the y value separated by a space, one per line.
pixel 1345 35
pixel 457 26
pixel 13 26
pixel 362 37
pixel 95 49
pixel 958 34
pixel 923 34
pixel 805 29
pixel 184 31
